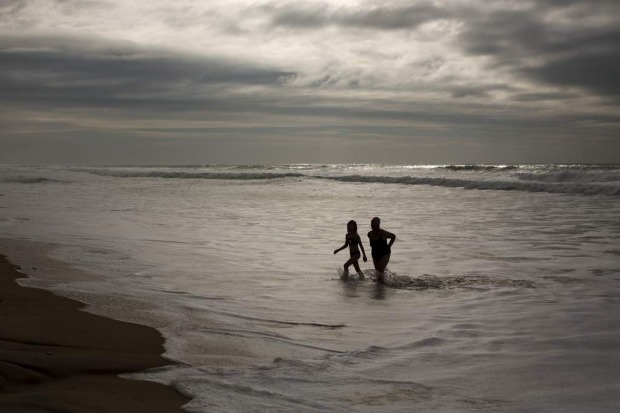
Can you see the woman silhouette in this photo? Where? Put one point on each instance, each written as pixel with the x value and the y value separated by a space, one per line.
pixel 381 248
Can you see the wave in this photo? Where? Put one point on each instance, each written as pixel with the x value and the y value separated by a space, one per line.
pixel 578 176
pixel 30 180
pixel 549 187
pixel 554 179
pixel 295 167
pixel 525 167
pixel 221 167
pixel 475 167
pixel 193 175
pixel 431 282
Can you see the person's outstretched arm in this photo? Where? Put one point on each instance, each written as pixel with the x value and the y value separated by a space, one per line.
pixel 343 247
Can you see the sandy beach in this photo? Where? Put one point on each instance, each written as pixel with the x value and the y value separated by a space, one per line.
pixel 55 357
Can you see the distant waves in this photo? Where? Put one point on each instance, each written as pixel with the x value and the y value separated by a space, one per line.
pixel 498 185
pixel 553 179
pixel 30 180
pixel 192 175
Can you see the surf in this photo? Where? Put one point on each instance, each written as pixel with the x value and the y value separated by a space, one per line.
pixel 433 282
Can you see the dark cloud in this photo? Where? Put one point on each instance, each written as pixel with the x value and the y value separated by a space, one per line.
pixel 541 97
pixel 537 44
pixel 476 90
pixel 10 12
pixel 597 72
pixel 11 7
pixel 298 15
pixel 65 72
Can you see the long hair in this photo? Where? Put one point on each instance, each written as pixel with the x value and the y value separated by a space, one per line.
pixel 353 224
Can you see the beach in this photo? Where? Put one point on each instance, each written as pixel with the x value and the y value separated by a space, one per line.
pixel 56 357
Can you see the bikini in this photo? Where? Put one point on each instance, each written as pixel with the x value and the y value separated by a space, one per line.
pixel 380 247
pixel 353 248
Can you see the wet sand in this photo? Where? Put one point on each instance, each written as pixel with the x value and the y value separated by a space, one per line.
pixel 55 357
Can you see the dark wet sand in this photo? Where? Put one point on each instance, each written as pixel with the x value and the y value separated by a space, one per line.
pixel 56 358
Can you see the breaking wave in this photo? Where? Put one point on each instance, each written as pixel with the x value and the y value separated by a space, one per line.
pixel 574 176
pixel 431 282
pixel 30 180
pixel 193 175
pixel 531 167
pixel 480 167
pixel 583 188
pixel 553 179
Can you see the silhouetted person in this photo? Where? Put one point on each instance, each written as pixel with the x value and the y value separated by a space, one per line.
pixel 353 240
pixel 381 249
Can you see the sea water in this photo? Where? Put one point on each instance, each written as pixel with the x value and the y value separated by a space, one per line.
pixel 502 294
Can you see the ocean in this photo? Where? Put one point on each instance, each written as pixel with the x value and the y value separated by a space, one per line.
pixel 502 295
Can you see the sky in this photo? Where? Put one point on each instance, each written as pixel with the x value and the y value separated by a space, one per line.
pixel 316 81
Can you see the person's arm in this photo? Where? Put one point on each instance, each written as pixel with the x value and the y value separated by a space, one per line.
pixel 390 236
pixel 359 240
pixel 346 242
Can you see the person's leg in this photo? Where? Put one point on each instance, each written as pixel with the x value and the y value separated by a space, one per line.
pixel 383 262
pixel 378 274
pixel 352 260
pixel 380 266
pixel 356 265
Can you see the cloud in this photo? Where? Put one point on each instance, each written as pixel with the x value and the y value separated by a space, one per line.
pixel 312 71
pixel 596 71
pixel 559 43
pixel 94 72
pixel 318 15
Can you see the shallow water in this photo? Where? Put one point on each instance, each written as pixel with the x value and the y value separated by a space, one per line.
pixel 502 299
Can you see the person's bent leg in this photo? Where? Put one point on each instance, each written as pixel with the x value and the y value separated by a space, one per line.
pixel 348 264
pixel 353 260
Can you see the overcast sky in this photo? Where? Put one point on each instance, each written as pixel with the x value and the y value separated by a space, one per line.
pixel 245 81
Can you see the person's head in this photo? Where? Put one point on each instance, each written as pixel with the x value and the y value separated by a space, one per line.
pixel 352 227
pixel 375 223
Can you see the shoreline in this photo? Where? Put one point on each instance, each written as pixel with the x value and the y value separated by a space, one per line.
pixel 55 357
